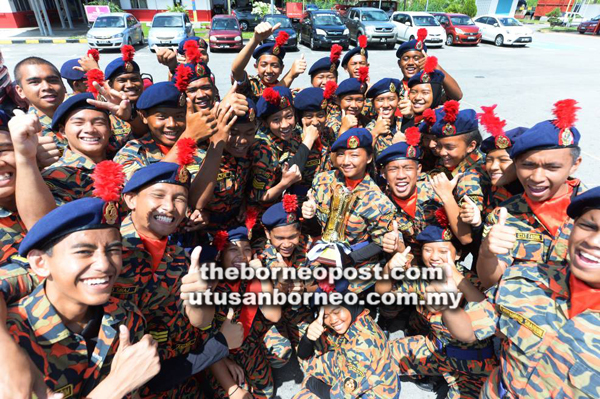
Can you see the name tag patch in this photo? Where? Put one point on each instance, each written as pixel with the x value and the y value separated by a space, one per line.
pixel 537 237
pixel 525 322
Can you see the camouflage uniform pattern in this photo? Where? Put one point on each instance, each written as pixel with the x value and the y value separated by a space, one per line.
pixel 121 133
pixel 252 87
pixel 12 231
pixel 383 141
pixel 357 365
pixel 334 123
pixel 62 355
pixel 17 280
pixel 46 122
pixel 69 178
pixel 470 183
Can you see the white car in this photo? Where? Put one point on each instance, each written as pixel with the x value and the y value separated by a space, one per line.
pixel 571 19
pixel 114 30
pixel 408 23
pixel 501 29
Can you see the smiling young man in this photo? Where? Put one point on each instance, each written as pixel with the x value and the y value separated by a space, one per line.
pixel 351 99
pixel 535 226
pixel 386 128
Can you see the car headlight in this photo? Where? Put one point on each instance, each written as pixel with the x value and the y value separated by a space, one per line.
pixel 212 39
pixel 370 29
pixel 292 35
pixel 118 35
pixel 458 30
pixel 320 32
pixel 237 39
pixel 346 32
pixel 89 36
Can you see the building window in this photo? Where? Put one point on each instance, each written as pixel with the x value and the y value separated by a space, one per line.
pixel 139 4
pixel 21 5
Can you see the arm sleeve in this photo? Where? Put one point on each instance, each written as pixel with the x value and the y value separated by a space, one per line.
pixel 306 348
pixel 300 157
pixel 319 388
pixel 367 252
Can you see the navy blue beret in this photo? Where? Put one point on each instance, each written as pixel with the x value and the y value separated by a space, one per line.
pixel 239 233
pixel 158 172
pixel 269 49
pixel 201 43
pixel 276 215
pixel 489 144
pixel 435 233
pixel 357 137
pixel 410 45
pixel 397 151
pixel 350 86
pixel 352 53
pixel 310 99
pixel 67 71
pixel 545 135
pixel 249 116
pixel 76 102
pixel 385 85
pixel 83 214
pixel 466 122
pixel 161 94
pixel 582 202
pixel 199 71
pixel 117 67
pixel 265 108
pixel 323 64
pixel 435 77
pixel 4 118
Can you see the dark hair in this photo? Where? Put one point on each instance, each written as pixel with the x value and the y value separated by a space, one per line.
pixel 473 136
pixel 71 83
pixel 575 153
pixel 32 61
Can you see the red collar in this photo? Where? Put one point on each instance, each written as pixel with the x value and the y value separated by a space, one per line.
pixel 408 205
pixel 552 213
pixel 351 183
pixel 583 297
pixel 163 148
pixel 156 249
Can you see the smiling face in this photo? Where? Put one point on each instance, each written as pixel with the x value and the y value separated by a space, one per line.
pixel 352 104
pixel 80 269
pixel 353 163
pixel 385 104
pixel 236 254
pixel 435 254
pixel 315 118
pixel 408 63
pixel 500 167
pixel 453 150
pixel 165 124
pixel 157 210
pixel 268 68
pixel 430 143
pixel 88 132
pixel 202 93
pixel 320 79
pixel 282 123
pixel 338 318
pixel 355 63
pixel 42 86
pixel 129 83
pixel 241 138
pixel 7 169
pixel 421 97
pixel 543 173
pixel 285 239
pixel 401 176
pixel 584 248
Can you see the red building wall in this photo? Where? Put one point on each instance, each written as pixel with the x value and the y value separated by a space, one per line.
pixel 545 6
pixel 147 15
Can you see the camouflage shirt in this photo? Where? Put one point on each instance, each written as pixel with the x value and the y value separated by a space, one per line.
pixel 12 231
pixel 69 178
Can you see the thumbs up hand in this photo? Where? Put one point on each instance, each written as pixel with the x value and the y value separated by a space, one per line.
pixel 392 239
pixel 192 281
pixel 309 207
pixel 298 67
pixel 400 259
pixel 469 212
pixel 443 187
pixel 232 331
pixel 316 328
pixel 501 238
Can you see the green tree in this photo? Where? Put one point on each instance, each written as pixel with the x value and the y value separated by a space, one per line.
pixel 176 8
pixel 113 7
pixel 556 13
pixel 470 8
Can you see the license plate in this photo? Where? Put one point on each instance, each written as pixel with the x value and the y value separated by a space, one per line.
pixel 526 39
pixel 471 38
pixel 103 41
pixel 165 42
pixel 383 39
pixel 223 46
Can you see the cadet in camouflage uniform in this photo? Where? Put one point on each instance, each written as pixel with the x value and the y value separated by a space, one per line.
pixel 386 128
pixel 351 98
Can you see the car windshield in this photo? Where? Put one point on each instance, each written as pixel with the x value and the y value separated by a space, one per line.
pixel 327 19
pixel 463 20
pixel 285 22
pixel 225 24
pixel 109 22
pixel 425 20
pixel 374 16
pixel 509 22
pixel 167 22
pixel 596 18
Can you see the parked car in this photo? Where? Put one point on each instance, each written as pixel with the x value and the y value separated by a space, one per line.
pixel 589 26
pixel 342 9
pixel 322 28
pixel 408 24
pixel 286 25
pixel 224 33
pixel 247 20
pixel 311 7
pixel 115 29
pixel 501 30
pixel 168 29
pixel 570 19
pixel 460 28
pixel 373 23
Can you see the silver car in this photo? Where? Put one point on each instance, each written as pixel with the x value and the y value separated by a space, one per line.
pixel 373 23
pixel 169 28
pixel 114 30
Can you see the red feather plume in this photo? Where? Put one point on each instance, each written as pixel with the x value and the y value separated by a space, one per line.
pixel 94 75
pixel 489 119
pixel 565 112
pixel 330 88
pixel 430 64
pixel 413 136
pixel 442 217
pixel 127 53
pixel 290 203
pixel 272 96
pixel 192 51
pixel 186 148
pixel 362 41
pixel 281 38
pixel 363 74
pixel 325 285
pixel 421 34
pixel 183 74
pixel 451 109
pixel 336 53
pixel 251 217
pixel 108 180
pixel 94 53
pixel 429 117
pixel 220 241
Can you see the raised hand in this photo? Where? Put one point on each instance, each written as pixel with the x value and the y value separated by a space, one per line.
pixel 116 102
pixel 446 286
pixel 382 126
pixel 197 220
pixel 47 151
pixel 405 106
pixel 443 187
pixel 348 122
pixel 86 63
pixel 391 239
pixel 264 30
pixel 224 123
pixel 234 100
pixel 167 56
pixel 232 331
pixel 199 125
pixel 192 282
pixel 501 238
pixel 309 207
pixel 290 175
pixel 400 259
pixel 469 212
pixel 298 67
pixel 316 328
pixel 24 130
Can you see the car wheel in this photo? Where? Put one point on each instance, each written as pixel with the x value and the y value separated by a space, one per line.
pixel 312 43
pixel 499 41
pixel 581 33
pixel 244 26
pixel 129 41
pixel 449 40
pixel 141 43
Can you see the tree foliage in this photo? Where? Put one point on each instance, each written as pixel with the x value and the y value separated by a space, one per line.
pixel 556 13
pixel 113 7
pixel 467 7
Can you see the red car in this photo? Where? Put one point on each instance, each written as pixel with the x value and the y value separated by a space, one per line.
pixel 460 28
pixel 591 26
pixel 225 33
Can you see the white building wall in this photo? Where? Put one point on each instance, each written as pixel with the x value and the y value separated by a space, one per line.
pixel 6 6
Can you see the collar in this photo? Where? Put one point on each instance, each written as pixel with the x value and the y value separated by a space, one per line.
pixel 359 325
pixel 151 146
pixel 352 184
pixel 552 213
pixel 470 160
pixel 71 158
pixel 408 205
pixel 45 120
pixel 583 297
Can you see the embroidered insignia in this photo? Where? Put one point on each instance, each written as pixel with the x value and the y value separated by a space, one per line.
pixel 353 142
pixel 110 213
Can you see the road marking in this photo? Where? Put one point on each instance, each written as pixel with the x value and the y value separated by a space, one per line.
pixel 32 41
pixel 57 41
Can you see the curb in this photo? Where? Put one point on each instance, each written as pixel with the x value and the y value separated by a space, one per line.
pixel 42 41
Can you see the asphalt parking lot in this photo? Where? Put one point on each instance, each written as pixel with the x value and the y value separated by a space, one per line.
pixel 524 82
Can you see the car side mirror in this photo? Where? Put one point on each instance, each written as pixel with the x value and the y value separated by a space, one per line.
pixel 188 24
pixel 149 24
pixel 408 23
pixel 496 25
